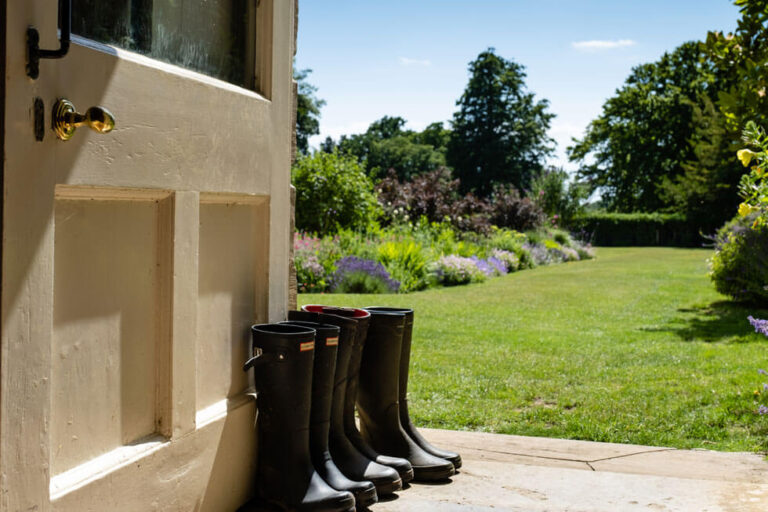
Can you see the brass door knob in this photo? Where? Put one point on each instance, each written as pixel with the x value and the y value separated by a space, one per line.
pixel 66 119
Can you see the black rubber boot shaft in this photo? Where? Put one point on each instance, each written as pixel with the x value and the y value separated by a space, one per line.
pixel 283 379
pixel 378 395
pixel 353 464
pixel 362 318
pixel 405 364
pixel 323 371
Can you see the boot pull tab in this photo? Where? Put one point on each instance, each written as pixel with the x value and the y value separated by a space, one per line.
pixel 262 358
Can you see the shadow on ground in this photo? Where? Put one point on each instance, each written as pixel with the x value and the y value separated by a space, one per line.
pixel 718 321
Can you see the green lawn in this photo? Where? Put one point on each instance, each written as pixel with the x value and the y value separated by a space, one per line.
pixel 633 347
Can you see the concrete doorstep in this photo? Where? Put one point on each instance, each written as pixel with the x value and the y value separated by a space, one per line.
pixel 503 472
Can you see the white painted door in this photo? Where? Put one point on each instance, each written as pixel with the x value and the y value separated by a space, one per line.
pixel 133 262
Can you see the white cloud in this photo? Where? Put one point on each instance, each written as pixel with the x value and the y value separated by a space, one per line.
pixel 405 61
pixel 597 45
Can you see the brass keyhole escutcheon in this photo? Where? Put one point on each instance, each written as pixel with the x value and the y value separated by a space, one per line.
pixel 66 119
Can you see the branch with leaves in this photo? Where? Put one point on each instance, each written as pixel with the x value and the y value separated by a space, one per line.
pixel 753 187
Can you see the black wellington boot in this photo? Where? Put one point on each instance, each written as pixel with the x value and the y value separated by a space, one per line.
pixel 363 317
pixel 353 464
pixel 405 419
pixel 377 399
pixel 282 362
pixel 323 370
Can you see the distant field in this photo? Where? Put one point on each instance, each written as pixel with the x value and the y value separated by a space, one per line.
pixel 633 347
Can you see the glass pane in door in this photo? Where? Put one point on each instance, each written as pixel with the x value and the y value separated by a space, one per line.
pixel 214 37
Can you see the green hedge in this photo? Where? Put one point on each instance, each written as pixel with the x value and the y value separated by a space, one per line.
pixel 636 229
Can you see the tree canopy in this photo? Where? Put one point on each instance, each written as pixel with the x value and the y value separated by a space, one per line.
pixel 643 133
pixel 388 145
pixel 307 110
pixel 499 133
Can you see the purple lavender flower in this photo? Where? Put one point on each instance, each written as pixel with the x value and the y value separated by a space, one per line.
pixel 351 265
pixel 760 326
pixel 539 253
pixel 483 266
pixel 509 259
pixel 762 372
pixel 762 410
pixel 499 266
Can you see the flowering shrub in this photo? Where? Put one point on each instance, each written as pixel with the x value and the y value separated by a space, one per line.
pixel 309 254
pixel 499 267
pixel 739 267
pixel 310 274
pixel 491 267
pixel 356 275
pixel 754 185
pixel 570 254
pixel 453 270
pixel 406 257
pixel 539 254
pixel 585 251
pixel 761 326
pixel 509 259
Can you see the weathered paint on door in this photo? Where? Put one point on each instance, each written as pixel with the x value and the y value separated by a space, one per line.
pixel 133 264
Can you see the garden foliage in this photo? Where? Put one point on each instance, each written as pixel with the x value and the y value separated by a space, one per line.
pixel 332 192
pixel 740 264
pixel 410 257
pixel 436 196
pixel 636 229
pixel 739 267
pixel 358 275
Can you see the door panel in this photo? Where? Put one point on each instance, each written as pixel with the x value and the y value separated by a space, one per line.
pixel 134 263
pixel 110 273
pixel 231 274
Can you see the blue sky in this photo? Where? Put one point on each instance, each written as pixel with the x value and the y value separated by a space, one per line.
pixel 409 58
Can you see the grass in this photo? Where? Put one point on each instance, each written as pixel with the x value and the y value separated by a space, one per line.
pixel 633 347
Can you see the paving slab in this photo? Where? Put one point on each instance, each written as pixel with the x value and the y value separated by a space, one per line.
pixel 515 473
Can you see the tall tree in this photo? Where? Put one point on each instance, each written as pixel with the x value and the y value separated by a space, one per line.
pixel 643 133
pixel 307 110
pixel 388 145
pixel 707 191
pixel 499 131
pixel 740 61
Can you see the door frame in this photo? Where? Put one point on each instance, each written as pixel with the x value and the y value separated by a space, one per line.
pixel 3 23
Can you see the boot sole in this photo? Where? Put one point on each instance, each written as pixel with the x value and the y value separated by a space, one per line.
pixel 432 474
pixel 388 487
pixel 407 476
pixel 366 498
pixel 268 505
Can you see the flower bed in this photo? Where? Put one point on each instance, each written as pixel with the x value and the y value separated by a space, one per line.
pixel 408 257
